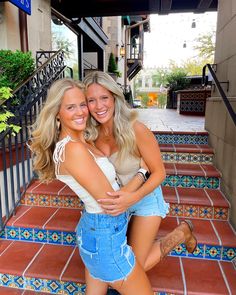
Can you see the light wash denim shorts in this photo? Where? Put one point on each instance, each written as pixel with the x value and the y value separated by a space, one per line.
pixel 151 205
pixel 103 246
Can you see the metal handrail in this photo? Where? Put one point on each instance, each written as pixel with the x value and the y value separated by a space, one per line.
pixel 220 89
pixel 88 65
pixel 16 166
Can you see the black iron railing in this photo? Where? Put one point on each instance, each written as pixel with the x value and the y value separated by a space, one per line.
pixel 220 89
pixel 15 166
pixel 88 65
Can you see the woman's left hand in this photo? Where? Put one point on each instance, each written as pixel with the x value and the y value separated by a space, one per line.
pixel 119 203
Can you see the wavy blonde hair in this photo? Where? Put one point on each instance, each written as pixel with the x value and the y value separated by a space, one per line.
pixel 45 131
pixel 124 116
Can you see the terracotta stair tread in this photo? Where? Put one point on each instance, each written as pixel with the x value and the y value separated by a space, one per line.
pixel 205 170
pixel 186 148
pixel 55 187
pixel 193 276
pixel 45 218
pixel 209 232
pixel 186 195
pixel 173 274
pixel 195 196
pixel 15 291
pixel 41 261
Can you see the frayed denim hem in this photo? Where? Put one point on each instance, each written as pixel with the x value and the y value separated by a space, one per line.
pixel 113 281
pixel 150 215
pixel 162 214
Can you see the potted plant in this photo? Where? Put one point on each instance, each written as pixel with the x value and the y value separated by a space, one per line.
pixel 112 67
pixel 176 81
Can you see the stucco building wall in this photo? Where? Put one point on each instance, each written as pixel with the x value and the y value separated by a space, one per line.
pixel 38 25
pixel 218 121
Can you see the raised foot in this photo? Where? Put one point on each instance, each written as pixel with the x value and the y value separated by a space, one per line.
pixel 191 241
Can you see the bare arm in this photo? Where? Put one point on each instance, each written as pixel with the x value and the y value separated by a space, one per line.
pixel 80 164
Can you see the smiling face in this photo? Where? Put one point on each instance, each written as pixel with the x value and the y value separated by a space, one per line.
pixel 73 113
pixel 101 103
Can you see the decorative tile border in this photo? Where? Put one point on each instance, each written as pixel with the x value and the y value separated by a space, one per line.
pixel 203 251
pixel 42 285
pixel 198 211
pixel 48 286
pixel 216 252
pixel 191 181
pixel 72 202
pixel 182 138
pixel 190 158
pixel 37 235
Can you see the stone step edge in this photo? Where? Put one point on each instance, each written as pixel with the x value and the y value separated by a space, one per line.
pixel 187 148
pixel 64 238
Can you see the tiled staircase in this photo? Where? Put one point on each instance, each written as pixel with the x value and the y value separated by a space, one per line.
pixel 38 251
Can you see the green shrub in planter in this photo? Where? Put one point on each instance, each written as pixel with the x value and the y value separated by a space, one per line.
pixel 15 67
pixel 5 93
pixel 112 66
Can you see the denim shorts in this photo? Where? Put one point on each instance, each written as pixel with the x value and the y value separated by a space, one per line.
pixel 103 246
pixel 151 205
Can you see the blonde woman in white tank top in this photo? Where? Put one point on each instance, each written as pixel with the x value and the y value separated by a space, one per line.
pixel 117 133
pixel 60 150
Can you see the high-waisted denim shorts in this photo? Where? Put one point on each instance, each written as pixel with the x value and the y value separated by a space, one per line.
pixel 151 205
pixel 103 246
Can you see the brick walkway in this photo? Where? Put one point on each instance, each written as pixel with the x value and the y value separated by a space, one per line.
pixel 170 120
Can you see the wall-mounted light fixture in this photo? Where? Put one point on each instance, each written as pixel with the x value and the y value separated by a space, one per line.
pixel 184 44
pixel 122 51
pixel 57 21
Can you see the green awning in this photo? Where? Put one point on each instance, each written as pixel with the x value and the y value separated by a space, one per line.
pixel 126 19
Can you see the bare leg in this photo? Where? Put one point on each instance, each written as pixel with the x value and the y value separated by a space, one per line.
pixel 142 233
pixel 94 286
pixel 154 257
pixel 136 283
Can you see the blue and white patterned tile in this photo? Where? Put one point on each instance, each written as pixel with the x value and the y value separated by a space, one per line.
pixel 12 233
pixel 213 252
pixel 199 252
pixel 69 238
pixel 27 234
pixel 40 235
pixel 55 237
pixel 229 253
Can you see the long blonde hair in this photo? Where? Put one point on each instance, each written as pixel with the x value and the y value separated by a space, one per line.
pixel 124 116
pixel 45 131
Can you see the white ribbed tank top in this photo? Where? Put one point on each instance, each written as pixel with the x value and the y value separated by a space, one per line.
pixel 91 205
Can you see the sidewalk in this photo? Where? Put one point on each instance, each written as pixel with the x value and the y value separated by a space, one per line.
pixel 170 120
